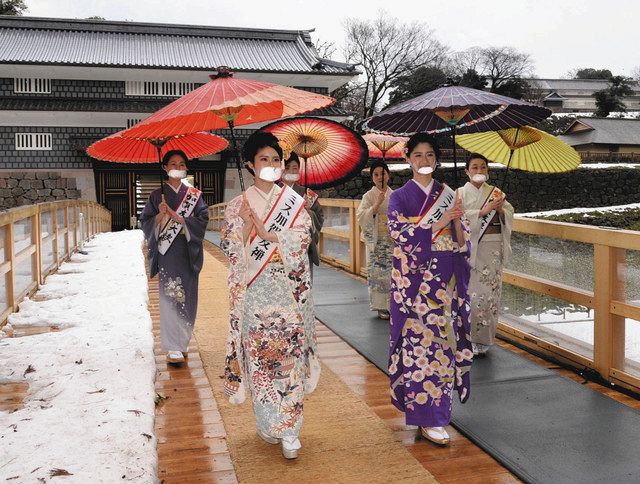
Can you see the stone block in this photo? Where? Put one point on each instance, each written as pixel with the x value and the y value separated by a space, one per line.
pixel 54 175
pixel 25 184
pixel 48 183
pixel 17 191
pixel 10 202
pixel 71 183
pixel 61 183
pixel 43 192
pixel 3 183
pixel 29 175
pixel 73 194
pixel 31 194
pixel 5 192
pixel 18 175
pixel 37 184
pixel 42 175
pixel 57 192
pixel 12 183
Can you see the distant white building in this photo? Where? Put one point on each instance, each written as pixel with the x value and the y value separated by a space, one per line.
pixel 576 95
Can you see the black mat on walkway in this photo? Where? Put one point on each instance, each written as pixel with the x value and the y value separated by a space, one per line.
pixel 542 426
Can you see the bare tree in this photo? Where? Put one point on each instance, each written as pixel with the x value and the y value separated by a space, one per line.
pixel 499 65
pixel 386 49
pixel 325 49
pixel 504 64
pixel 635 74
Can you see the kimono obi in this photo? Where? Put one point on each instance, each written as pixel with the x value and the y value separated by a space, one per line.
pixel 276 259
pixel 494 227
pixel 444 241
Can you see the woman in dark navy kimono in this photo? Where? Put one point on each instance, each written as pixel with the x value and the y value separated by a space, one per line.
pixel 174 225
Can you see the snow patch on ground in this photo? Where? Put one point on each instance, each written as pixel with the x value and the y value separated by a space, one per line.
pixel 90 405
pixel 563 211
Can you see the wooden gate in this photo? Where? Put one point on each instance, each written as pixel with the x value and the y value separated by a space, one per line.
pixel 117 186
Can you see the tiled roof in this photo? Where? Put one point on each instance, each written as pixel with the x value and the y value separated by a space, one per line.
pixel 131 44
pixel 575 84
pixel 605 131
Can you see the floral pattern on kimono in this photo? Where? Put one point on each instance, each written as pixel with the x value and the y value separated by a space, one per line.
pixel 489 255
pixel 379 247
pixel 430 352
pixel 271 345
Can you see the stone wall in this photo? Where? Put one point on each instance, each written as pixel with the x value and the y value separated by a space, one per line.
pixel 584 187
pixel 26 188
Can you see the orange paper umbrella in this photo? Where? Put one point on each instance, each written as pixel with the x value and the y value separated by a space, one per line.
pixel 331 152
pixel 225 102
pixel 120 149
pixel 385 146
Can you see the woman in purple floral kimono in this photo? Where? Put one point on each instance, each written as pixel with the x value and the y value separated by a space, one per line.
pixel 174 226
pixel 430 353
pixel 271 348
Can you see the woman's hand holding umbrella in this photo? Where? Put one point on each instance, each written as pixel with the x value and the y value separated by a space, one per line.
pixel 379 201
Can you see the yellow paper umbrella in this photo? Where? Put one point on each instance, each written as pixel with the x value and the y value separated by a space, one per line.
pixel 533 150
pixel 524 148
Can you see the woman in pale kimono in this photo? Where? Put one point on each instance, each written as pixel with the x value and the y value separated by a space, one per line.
pixel 174 225
pixel 271 348
pixel 430 353
pixel 372 218
pixel 490 217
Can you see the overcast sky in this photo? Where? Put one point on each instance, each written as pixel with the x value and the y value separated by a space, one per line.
pixel 559 34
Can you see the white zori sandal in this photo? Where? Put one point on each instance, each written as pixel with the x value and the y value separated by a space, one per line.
pixel 290 447
pixel 175 357
pixel 437 435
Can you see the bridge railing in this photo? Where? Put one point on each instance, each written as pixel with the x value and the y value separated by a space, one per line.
pixel 36 239
pixel 570 291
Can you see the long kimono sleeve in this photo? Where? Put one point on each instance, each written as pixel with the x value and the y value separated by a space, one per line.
pixel 196 226
pixel 148 224
pixel 412 241
pixel 506 222
pixel 293 245
pixel 233 246
pixel 366 220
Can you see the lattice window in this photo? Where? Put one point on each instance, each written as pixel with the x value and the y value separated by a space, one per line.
pixel 31 85
pixel 159 88
pixel 133 121
pixel 33 141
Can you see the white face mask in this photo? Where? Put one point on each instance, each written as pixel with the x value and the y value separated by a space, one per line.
pixel 291 177
pixel 177 174
pixel 425 170
pixel 479 178
pixel 270 173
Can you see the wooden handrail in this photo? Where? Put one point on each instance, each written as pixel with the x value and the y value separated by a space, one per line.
pixel 97 219
pixel 607 299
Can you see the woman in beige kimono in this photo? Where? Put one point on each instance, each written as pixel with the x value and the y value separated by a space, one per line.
pixel 490 217
pixel 372 218
pixel 271 347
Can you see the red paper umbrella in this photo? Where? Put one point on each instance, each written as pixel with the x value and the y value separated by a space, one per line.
pixel 331 152
pixel 121 149
pixel 385 146
pixel 225 102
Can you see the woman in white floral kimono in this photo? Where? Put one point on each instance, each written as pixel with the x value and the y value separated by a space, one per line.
pixel 490 217
pixel 372 218
pixel 271 348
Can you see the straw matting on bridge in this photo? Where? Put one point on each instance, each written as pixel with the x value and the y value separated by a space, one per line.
pixel 343 440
